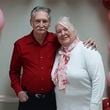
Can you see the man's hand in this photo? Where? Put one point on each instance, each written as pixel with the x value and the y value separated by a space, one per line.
pixel 90 43
pixel 23 97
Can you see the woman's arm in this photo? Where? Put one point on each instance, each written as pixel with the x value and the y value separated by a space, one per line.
pixel 96 72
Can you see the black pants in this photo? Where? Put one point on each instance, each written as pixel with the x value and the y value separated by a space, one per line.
pixel 42 102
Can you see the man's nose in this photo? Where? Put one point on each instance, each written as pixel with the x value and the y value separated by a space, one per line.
pixel 41 24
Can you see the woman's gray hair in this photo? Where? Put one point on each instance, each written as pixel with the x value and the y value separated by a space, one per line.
pixel 65 21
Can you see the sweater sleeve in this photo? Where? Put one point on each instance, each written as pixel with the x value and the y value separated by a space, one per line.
pixel 96 72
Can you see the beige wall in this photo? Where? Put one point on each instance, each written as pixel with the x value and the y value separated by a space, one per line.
pixel 88 16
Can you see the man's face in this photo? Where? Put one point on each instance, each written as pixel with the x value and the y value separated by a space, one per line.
pixel 40 22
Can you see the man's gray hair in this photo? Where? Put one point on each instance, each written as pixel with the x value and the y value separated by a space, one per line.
pixel 40 8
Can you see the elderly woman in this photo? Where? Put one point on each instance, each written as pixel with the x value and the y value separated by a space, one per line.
pixel 78 72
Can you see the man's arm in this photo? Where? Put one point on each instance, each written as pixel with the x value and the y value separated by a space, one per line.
pixel 15 69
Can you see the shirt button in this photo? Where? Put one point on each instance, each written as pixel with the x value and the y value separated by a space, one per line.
pixel 41 57
pixel 42 68
pixel 42 89
pixel 42 79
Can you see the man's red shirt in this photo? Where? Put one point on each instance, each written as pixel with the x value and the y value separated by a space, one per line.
pixel 31 64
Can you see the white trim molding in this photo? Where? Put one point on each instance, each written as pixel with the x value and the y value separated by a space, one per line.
pixel 8 99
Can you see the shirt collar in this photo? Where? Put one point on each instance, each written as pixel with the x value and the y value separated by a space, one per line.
pixel 50 37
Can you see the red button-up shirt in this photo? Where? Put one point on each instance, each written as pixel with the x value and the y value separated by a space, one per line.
pixel 31 64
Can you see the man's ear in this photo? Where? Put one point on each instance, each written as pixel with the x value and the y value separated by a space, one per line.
pixel 30 22
pixel 49 24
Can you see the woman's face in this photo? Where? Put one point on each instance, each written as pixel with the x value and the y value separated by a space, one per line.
pixel 65 36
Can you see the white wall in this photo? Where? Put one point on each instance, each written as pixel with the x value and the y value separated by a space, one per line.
pixel 88 16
